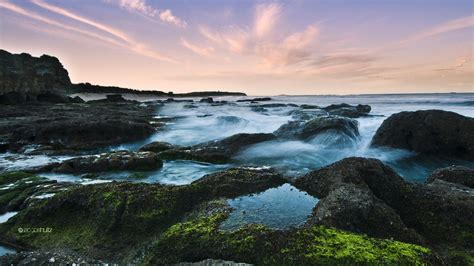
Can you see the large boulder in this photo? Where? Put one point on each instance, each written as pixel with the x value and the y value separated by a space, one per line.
pixel 455 174
pixel 27 77
pixel 354 194
pixel 307 130
pixel 112 161
pixel 219 151
pixel 429 132
pixel 442 213
pixel 357 209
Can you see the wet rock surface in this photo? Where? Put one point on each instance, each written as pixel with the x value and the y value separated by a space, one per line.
pixel 47 258
pixel 454 174
pixel 74 126
pixel 19 190
pixel 428 132
pixel 115 219
pixel 440 213
pixel 318 125
pixel 112 161
pixel 347 110
pixel 157 146
pixel 219 151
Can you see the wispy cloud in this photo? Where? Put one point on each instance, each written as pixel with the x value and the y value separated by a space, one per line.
pixel 203 51
pixel 266 16
pixel 261 39
pixel 457 24
pixel 143 8
pixel 36 16
pixel 127 41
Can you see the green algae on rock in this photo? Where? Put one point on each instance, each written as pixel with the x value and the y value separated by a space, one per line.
pixel 113 220
pixel 200 238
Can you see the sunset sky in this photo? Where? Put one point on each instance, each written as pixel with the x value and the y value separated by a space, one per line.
pixel 258 47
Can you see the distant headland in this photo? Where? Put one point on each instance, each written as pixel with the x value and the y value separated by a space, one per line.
pixel 26 78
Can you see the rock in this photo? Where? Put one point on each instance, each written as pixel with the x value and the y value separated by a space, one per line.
pixel 357 209
pixel 212 262
pixel 112 161
pixel 157 146
pixel 262 99
pixel 52 98
pixel 258 109
pixel 75 126
pixel 23 75
pixel 207 100
pixel 115 98
pixel 230 120
pixel 273 105
pixel 179 101
pixel 348 110
pixel 140 212
pixel 363 108
pixel 454 174
pixel 309 106
pixel 441 213
pixel 46 258
pixel 111 98
pixel 385 183
pixel 429 132
pixel 240 181
pixel 13 97
pixel 305 130
pixel 20 190
pixel 76 99
pixel 219 151
pixel 199 237
pixel 306 114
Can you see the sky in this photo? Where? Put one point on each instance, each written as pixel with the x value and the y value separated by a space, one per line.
pixel 259 47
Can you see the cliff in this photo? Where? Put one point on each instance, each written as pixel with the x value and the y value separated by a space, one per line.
pixel 28 76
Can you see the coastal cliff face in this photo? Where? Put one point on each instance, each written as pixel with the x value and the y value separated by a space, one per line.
pixel 26 76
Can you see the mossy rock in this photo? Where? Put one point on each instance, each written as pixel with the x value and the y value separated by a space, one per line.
pixel 11 177
pixel 17 187
pixel 198 239
pixel 114 220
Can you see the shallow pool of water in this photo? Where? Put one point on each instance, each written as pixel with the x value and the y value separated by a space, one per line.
pixel 279 208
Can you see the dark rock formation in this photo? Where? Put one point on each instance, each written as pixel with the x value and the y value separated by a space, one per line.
pixel 207 100
pixel 305 130
pixel 47 258
pixel 430 132
pixel 240 181
pixel 112 161
pixel 219 151
pixel 157 146
pixel 454 174
pixel 441 213
pixel 348 110
pixel 356 209
pixel 112 220
pixel 262 99
pixel 24 78
pixel 20 190
pixel 74 126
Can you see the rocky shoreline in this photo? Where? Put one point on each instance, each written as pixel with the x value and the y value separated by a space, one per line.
pixel 366 212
